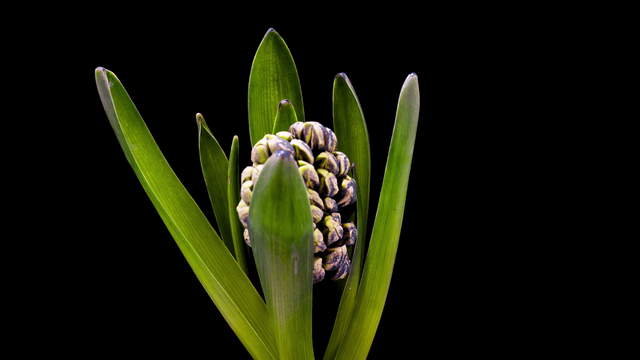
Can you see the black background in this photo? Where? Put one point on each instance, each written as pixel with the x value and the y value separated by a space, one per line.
pixel 466 273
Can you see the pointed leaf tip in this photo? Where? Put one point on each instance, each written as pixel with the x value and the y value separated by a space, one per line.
pixel 413 77
pixel 284 102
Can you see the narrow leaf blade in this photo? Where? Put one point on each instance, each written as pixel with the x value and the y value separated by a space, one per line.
pixel 228 287
pixel 233 191
pixel 351 130
pixel 273 77
pixel 280 227
pixel 285 116
pixel 381 254
pixel 215 166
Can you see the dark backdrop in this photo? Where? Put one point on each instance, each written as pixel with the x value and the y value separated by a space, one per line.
pixel 462 281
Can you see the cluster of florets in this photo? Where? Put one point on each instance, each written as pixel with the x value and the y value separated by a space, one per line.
pixel 331 191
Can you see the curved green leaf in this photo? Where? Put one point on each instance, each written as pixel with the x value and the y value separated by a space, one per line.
pixel 214 165
pixel 213 264
pixel 281 232
pixel 351 130
pixel 381 254
pixel 273 77
pixel 233 196
pixel 285 116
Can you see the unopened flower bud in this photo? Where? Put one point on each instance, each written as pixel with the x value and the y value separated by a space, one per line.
pixel 275 143
pixel 313 133
pixel 318 271
pixel 332 228
pixel 344 164
pixel 328 183
pixel 246 191
pixel 256 174
pixel 309 174
pixel 315 199
pixel 302 150
pixel 318 241
pixel 350 233
pixel 247 173
pixel 343 269
pixel 296 129
pixel 335 257
pixel 330 205
pixel 243 213
pixel 331 140
pixel 260 152
pixel 336 217
pixel 316 214
pixel 245 235
pixel 347 191
pixel 284 135
pixel 326 160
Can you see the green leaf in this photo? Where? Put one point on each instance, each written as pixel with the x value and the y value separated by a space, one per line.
pixel 214 165
pixel 233 196
pixel 381 254
pixel 273 77
pixel 281 232
pixel 351 130
pixel 213 264
pixel 285 116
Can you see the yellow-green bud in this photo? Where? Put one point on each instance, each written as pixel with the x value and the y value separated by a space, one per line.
pixel 245 235
pixel 243 213
pixel 246 191
pixel 318 241
pixel 332 228
pixel 296 129
pixel 315 199
pixel 284 135
pixel 343 269
pixel 328 183
pixel 335 257
pixel 309 174
pixel 318 271
pixel 274 143
pixel 313 134
pixel 331 140
pixel 256 174
pixel 344 164
pixel 347 192
pixel 247 174
pixel 302 150
pixel 350 233
pixel 330 205
pixel 316 214
pixel 326 160
pixel 260 152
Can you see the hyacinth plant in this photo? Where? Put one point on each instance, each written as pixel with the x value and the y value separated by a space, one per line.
pixel 299 206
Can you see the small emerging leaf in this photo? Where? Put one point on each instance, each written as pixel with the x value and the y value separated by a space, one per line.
pixel 285 116
pixel 215 165
pixel 233 189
